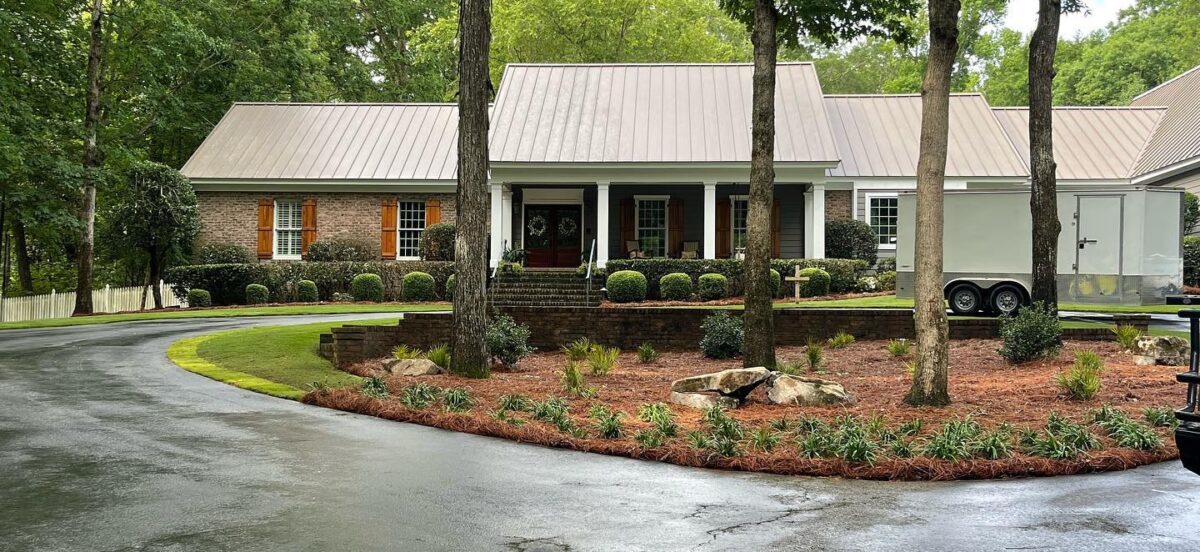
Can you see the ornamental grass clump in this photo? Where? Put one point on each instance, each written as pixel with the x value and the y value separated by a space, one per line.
pixel 1062 439
pixel 1160 417
pixel 898 348
pixel 440 355
pixel 841 340
pixel 723 336
pixel 661 416
pixel 514 403
pixel 1124 430
pixel 646 353
pixel 419 396
pixel 649 438
pixel 764 439
pixel 457 399
pixel 954 441
pixel 573 383
pixel 404 352
pixel 1082 380
pixel 602 359
pixel 606 422
pixel 815 355
pixel 1035 332
pixel 1127 336
pixel 578 350
pixel 375 387
pixel 789 367
pixel 675 286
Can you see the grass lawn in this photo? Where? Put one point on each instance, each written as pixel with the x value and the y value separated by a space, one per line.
pixel 891 301
pixel 276 360
pixel 282 310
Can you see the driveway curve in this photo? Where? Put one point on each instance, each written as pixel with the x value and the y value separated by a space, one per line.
pixel 105 445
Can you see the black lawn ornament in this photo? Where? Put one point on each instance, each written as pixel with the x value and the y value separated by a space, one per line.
pixel 1187 435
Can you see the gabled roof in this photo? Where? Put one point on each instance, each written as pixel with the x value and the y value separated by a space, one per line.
pixel 1178 136
pixel 880 136
pixel 661 113
pixel 1090 143
pixel 292 141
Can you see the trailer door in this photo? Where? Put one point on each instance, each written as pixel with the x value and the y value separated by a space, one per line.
pixel 1098 254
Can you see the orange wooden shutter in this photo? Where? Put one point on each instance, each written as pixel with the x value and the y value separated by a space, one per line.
pixel 387 230
pixel 308 224
pixel 266 228
pixel 776 235
pixel 723 231
pixel 627 224
pixel 433 211
pixel 675 230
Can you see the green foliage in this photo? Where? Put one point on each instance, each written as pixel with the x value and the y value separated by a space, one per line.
pixel 572 381
pixel 199 298
pixel 843 273
pixel 449 287
pixel 646 353
pixel 578 350
pixel 440 355
pixel 887 280
pixel 420 395
pixel 417 286
pixel 1124 430
pixel 723 336
pixel 993 445
pixel 814 354
pixel 1160 417
pixel 955 441
pixel 1082 380
pixel 649 438
pixel 661 416
pixel 911 428
pixel 898 348
pixel 257 294
pixel 853 443
pixel 306 291
pixel 1127 336
pixel 1033 333
pixel 457 399
pixel 367 287
pixel 789 367
pixel 675 286
pixel 154 211
pixel 841 340
pixel 711 287
pixel 1191 260
pixel 437 242
pixel 776 283
pixel 817 284
pixel 375 387
pixel 549 410
pixel 724 432
pixel 227 282
pixel 602 359
pixel 848 238
pixel 764 439
pixel 507 341
pixel 626 286
pixel 222 253
pixel 1191 212
pixel 341 249
pixel 404 352
pixel 609 426
pixel 515 403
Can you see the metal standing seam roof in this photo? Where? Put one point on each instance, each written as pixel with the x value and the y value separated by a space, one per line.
pixel 1178 136
pixel 668 113
pixel 1090 143
pixel 879 135
pixel 336 141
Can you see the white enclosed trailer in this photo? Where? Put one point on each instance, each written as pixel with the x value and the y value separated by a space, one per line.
pixel 1117 245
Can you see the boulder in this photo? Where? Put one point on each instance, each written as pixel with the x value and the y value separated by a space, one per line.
pixel 736 382
pixel 411 367
pixel 1167 350
pixel 786 389
pixel 702 400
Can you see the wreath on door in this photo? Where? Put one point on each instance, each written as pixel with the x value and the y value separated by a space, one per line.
pixel 567 227
pixel 537 226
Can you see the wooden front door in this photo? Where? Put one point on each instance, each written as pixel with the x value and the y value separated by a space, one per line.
pixel 553 235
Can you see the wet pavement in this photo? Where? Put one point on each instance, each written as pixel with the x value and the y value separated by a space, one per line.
pixel 105 445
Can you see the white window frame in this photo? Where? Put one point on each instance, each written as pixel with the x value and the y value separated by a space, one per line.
pixel 733 201
pixel 867 216
pixel 277 229
pixel 400 228
pixel 637 220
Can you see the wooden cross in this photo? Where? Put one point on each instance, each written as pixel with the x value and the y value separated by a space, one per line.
pixel 796 281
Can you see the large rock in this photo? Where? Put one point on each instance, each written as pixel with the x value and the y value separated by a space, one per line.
pixel 1166 350
pixel 736 382
pixel 785 389
pixel 411 367
pixel 702 400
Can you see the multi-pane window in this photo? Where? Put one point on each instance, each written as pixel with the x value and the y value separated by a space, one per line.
pixel 410 224
pixel 288 225
pixel 882 215
pixel 652 226
pixel 741 210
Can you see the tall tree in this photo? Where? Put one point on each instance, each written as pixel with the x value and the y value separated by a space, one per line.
pixel 470 243
pixel 789 21
pixel 91 162
pixel 930 384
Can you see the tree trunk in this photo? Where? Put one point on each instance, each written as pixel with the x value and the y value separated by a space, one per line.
pixel 758 318
pixel 155 276
pixel 24 266
pixel 1043 197
pixel 470 355
pixel 91 165
pixel 931 379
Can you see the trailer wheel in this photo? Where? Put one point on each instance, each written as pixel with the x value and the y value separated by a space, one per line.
pixel 1006 299
pixel 965 299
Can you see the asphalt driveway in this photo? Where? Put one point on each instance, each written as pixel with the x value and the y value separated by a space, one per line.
pixel 105 445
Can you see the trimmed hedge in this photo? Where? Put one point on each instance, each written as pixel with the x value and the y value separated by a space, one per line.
pixel 222 253
pixel 851 239
pixel 367 287
pixel 712 287
pixel 417 286
pixel 675 286
pixel 257 294
pixel 843 273
pixel 342 249
pixel 306 291
pixel 1191 260
pixel 199 298
pixel 626 286
pixel 227 282
pixel 817 284
pixel 437 242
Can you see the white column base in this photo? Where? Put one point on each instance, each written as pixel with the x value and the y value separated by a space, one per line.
pixel 496 216
pixel 818 207
pixel 710 220
pixel 601 223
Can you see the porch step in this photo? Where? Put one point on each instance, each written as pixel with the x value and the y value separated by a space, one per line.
pixel 543 289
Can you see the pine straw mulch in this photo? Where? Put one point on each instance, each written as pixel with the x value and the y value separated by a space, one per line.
pixel 981 384
pixel 728 301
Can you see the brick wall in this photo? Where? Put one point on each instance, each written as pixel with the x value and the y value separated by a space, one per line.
pixel 837 204
pixel 232 217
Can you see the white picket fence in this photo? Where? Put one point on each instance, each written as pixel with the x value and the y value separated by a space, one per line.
pixel 62 305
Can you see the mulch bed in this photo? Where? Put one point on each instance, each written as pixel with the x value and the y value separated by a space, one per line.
pixel 982 386
pixel 789 300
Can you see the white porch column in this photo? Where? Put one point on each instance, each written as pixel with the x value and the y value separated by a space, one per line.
pixel 497 223
pixel 710 220
pixel 808 224
pixel 601 223
pixel 506 204
pixel 818 218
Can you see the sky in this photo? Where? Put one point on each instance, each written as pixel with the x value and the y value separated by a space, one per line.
pixel 1022 16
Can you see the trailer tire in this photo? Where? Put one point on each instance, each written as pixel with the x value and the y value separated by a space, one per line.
pixel 1006 299
pixel 965 299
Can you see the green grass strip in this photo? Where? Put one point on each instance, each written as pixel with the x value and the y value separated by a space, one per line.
pixel 185 353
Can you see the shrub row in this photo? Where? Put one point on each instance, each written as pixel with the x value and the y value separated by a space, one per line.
pixel 226 283
pixel 1191 260
pixel 843 273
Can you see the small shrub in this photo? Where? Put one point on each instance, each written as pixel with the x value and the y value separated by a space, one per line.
pixel 367 287
pixel 711 287
pixel 887 280
pixel 515 403
pixel 814 354
pixel 257 294
pixel 457 399
pixel 867 284
pixel 1160 417
pixel 404 352
pixel 1127 336
pixel 626 286
pixel 723 336
pixel 954 441
pixel 1082 380
pixel 661 416
pixel 789 367
pixel 578 350
pixel 901 448
pixel 818 443
pixel 898 348
pixel 306 291
pixel 507 341
pixel 375 387
pixel 697 439
pixel 341 249
pixel 419 396
pixel 1074 435
pixel 776 283
pixel 602 359
pixel 817 284
pixel 1048 445
pixel 841 340
pixel 854 444
pixel 222 253
pixel 994 445
pixel 437 242
pixel 550 409
pixel 199 298
pixel 1033 333
pixel 417 286
pixel 610 426
pixel 764 438
pixel 847 238
pixel 649 438
pixel 646 353
pixel 572 381
pixel 450 283
pixel 675 286
pixel 911 428
pixel 1126 432
pixel 780 424
pixel 440 355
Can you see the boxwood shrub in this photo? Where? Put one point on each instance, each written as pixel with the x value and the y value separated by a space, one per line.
pixel 418 286
pixel 817 284
pixel 675 286
pixel 367 287
pixel 306 291
pixel 257 294
pixel 723 336
pixel 227 282
pixel 850 239
pixel 843 273
pixel 341 249
pixel 437 242
pixel 626 286
pixel 776 283
pixel 199 298
pixel 1034 332
pixel 711 287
